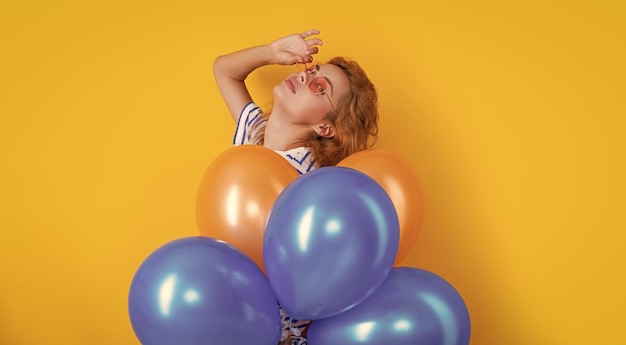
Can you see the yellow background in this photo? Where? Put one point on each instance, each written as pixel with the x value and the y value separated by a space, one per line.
pixel 512 114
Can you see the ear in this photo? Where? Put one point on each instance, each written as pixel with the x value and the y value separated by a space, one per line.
pixel 325 130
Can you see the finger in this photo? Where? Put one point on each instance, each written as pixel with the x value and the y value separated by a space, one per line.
pixel 304 59
pixel 314 42
pixel 312 50
pixel 309 33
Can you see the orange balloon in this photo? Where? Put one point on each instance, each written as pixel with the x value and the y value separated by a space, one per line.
pixel 236 194
pixel 398 179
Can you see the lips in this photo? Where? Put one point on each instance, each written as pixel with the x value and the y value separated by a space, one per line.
pixel 290 85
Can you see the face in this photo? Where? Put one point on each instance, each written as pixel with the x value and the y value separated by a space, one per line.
pixel 302 99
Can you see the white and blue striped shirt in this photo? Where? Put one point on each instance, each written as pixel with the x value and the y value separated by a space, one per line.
pixel 251 121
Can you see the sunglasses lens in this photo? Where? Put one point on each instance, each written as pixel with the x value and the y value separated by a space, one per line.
pixel 318 85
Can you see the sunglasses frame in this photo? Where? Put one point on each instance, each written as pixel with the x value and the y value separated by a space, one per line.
pixel 314 68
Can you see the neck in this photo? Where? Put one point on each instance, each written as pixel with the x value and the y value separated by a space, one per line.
pixel 282 135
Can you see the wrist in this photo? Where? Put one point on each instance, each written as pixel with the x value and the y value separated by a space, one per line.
pixel 273 53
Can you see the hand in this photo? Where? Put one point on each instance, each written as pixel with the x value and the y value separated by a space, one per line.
pixel 296 48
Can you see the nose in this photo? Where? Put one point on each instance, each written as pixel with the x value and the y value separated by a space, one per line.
pixel 302 77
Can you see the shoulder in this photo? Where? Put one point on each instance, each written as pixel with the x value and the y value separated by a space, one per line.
pixel 250 113
pixel 251 121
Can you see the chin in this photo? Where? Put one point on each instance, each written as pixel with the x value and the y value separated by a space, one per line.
pixel 276 89
pixel 281 94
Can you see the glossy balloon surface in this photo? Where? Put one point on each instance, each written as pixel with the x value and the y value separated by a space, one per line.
pixel 199 290
pixel 236 194
pixel 330 241
pixel 413 306
pixel 401 183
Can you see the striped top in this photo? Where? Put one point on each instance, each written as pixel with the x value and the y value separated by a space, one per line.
pixel 252 121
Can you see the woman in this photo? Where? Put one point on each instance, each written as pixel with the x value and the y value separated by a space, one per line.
pixel 321 113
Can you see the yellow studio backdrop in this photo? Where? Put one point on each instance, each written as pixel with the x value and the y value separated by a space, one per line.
pixel 511 113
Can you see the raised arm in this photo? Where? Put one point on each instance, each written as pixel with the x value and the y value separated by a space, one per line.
pixel 231 70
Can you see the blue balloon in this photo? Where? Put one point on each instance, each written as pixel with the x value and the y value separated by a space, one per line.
pixel 199 290
pixel 413 306
pixel 330 241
